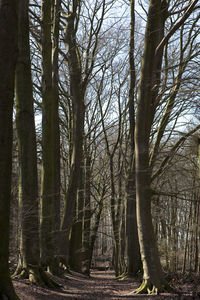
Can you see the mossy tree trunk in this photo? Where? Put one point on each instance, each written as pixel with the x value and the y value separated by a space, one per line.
pixel 8 56
pixel 50 185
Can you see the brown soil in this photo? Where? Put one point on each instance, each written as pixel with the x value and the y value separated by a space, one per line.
pixel 101 285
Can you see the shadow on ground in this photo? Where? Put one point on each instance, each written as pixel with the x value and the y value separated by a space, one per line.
pixel 101 285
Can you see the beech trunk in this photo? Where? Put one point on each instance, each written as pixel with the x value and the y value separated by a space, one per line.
pixel 8 57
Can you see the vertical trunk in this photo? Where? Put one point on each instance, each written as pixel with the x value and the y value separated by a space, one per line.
pixel 165 244
pixel 191 246
pixel 76 241
pixel 50 185
pixel 116 222
pixel 94 233
pixel 123 240
pixel 199 155
pixel 77 95
pixel 133 249
pixel 186 242
pixel 173 260
pixel 119 220
pixel 8 55
pixel 28 190
pixel 153 275
pixel 87 216
pixel 55 121
pixel 196 260
pixel 47 192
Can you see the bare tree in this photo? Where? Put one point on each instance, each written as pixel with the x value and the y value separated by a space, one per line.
pixel 153 277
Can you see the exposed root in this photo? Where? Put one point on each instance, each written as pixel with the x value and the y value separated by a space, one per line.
pixel 36 275
pixel 55 267
pixel 122 276
pixel 18 271
pixel 148 288
pixel 56 270
pixel 49 282
pixel 21 273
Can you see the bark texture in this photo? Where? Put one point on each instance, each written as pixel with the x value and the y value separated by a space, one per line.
pixel 153 276
pixel 50 185
pixel 28 191
pixel 77 96
pixel 8 57
pixel 133 249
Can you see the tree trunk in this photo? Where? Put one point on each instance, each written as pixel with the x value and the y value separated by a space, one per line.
pixel 76 241
pixel 8 56
pixel 77 96
pixel 94 233
pixel 56 129
pixel 173 259
pixel 50 185
pixel 28 190
pixel 133 248
pixel 116 222
pixel 87 216
pixel 153 276
pixel 28 185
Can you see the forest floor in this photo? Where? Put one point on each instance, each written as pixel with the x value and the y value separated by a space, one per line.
pixel 103 285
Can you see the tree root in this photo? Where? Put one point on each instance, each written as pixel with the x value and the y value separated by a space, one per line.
pixel 44 278
pixel 56 270
pixel 148 288
pixel 36 275
pixel 122 276
pixel 20 273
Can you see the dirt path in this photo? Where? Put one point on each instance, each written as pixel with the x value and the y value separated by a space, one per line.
pixel 101 285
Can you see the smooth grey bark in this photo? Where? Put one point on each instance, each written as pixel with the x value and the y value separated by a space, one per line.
pixel 148 100
pixel 28 190
pixel 153 276
pixel 76 241
pixel 28 185
pixel 78 105
pixel 133 248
